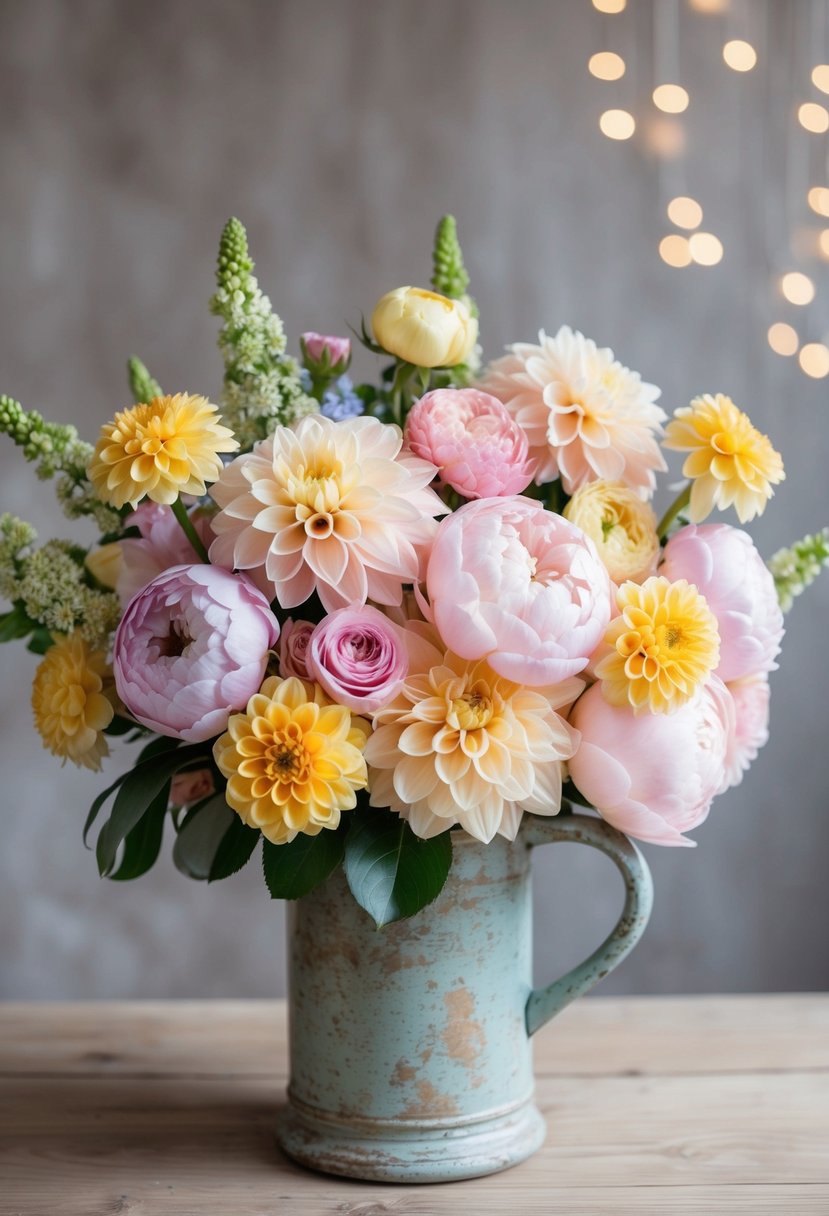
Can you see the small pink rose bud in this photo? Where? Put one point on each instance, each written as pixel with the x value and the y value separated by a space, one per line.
pixel 359 658
pixel 188 788
pixel 325 354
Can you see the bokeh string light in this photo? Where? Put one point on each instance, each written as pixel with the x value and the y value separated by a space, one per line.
pixel 783 339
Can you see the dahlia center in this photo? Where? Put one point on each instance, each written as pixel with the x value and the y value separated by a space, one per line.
pixel 286 759
pixel 473 710
pixel 670 635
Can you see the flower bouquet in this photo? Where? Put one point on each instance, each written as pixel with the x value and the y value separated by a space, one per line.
pixel 365 623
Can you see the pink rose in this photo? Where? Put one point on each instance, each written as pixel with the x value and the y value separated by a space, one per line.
pixel 162 544
pixel 191 648
pixel 520 586
pixel 724 565
pixel 359 658
pixel 751 727
pixel 471 437
pixel 653 776
pixel 293 649
pixel 326 352
pixel 188 788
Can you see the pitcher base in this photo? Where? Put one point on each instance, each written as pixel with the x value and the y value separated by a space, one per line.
pixel 408 1152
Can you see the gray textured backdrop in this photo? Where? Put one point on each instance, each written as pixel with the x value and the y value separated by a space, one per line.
pixel 339 132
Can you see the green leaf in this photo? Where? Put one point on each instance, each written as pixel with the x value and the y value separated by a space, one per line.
pixel 119 726
pixel 235 850
pixel 98 803
pixel 569 793
pixel 40 641
pixel 200 836
pixel 391 872
pixel 143 844
pixel 136 792
pixel 15 624
pixel 292 870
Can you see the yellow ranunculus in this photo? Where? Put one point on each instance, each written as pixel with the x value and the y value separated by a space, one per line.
pixel 104 564
pixel 424 328
pixel 621 526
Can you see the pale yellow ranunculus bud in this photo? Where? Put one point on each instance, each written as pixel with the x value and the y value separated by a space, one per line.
pixel 104 564
pixel 620 524
pixel 424 328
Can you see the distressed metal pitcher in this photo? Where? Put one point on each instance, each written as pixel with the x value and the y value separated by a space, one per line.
pixel 410 1046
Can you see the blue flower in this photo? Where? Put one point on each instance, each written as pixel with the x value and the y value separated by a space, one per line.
pixel 340 401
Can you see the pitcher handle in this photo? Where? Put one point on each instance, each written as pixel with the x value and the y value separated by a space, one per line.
pixel 545 1003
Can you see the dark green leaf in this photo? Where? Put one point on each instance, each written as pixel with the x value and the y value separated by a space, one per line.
pixel 235 850
pixel 391 872
pixel 40 641
pixel 15 624
pixel 200 836
pixel 143 844
pixel 157 747
pixel 119 726
pixel 569 793
pixel 292 870
pixel 135 794
pixel 98 803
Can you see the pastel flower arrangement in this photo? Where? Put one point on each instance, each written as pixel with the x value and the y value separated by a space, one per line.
pixel 424 606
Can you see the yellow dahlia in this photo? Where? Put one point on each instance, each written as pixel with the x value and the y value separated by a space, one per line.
pixel 70 708
pixel 166 447
pixel 293 761
pixel 463 745
pixel 665 644
pixel 730 461
pixel 620 524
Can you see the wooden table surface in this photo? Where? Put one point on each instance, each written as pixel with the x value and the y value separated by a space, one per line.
pixel 654 1105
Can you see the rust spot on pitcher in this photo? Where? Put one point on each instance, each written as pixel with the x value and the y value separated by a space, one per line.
pixel 430 1103
pixel 463 1038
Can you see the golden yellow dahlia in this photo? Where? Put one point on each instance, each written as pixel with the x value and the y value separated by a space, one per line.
pixel 730 461
pixel 620 524
pixel 70 708
pixel 463 745
pixel 166 447
pixel 665 644
pixel 293 761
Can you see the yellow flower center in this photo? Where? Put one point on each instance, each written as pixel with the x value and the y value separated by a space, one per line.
pixel 472 711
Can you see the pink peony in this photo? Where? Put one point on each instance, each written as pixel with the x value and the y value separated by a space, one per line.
pixel 326 350
pixel 162 544
pixel 480 450
pixel 724 565
pixel 359 658
pixel 293 649
pixel 520 586
pixel 653 775
pixel 192 647
pixel 188 788
pixel 751 726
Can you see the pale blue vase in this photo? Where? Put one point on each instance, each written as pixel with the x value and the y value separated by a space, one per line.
pixel 411 1058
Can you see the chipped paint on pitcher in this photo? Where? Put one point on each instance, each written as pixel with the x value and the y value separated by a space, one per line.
pixel 410 1046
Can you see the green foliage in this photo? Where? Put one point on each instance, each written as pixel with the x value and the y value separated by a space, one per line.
pixel 142 845
pixel 213 842
pixel 391 872
pixel 142 386
pixel 292 870
pixel 235 850
pixel 449 275
pixel 15 624
pixel 262 385
pixel 796 568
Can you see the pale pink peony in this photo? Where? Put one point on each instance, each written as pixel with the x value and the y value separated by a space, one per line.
pixel 162 544
pixel 585 415
pixel 192 647
pixel 724 565
pixel 187 788
pixel 519 586
pixel 653 776
pixel 478 448
pixel 751 727
pixel 358 657
pixel 331 507
pixel 326 350
pixel 293 649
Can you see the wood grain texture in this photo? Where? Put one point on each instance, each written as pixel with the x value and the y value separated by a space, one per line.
pixel 704 1105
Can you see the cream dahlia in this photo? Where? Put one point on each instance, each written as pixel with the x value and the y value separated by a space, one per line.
pixel 462 745
pixel 585 415
pixel 332 507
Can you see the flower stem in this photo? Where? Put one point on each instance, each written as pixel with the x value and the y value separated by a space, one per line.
pixel 677 506
pixel 180 512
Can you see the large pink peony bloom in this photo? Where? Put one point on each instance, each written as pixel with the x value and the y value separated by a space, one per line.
pixel 519 586
pixel 751 726
pixel 162 544
pixel 332 507
pixel 358 657
pixel 653 776
pixel 724 565
pixel 192 647
pixel 478 448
